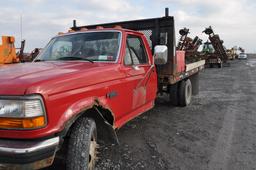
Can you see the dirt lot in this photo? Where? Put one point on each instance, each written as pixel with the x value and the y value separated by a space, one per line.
pixel 217 131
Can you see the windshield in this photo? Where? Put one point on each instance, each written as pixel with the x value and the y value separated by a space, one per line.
pixel 90 46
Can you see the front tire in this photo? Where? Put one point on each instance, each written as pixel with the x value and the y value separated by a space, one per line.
pixel 185 93
pixel 82 145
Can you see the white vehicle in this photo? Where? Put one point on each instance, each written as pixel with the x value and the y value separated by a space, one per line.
pixel 242 56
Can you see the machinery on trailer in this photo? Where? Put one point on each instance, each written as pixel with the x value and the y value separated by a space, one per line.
pixel 209 54
pixel 100 77
pixel 231 53
pixel 208 48
pixel 237 50
pixel 241 49
pixel 219 56
pixel 189 45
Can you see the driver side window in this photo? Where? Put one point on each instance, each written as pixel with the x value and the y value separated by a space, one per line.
pixel 135 51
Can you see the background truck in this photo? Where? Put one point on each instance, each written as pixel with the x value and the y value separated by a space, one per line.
pixel 85 85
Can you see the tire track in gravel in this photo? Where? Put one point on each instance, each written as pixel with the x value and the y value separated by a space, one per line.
pixel 243 151
pixel 162 163
pixel 222 153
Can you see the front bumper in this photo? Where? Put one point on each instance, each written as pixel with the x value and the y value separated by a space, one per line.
pixel 27 154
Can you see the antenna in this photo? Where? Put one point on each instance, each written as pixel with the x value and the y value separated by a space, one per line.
pixel 21 28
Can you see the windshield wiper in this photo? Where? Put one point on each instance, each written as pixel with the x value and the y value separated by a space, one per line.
pixel 75 58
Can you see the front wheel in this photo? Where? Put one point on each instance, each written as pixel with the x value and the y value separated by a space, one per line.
pixel 82 145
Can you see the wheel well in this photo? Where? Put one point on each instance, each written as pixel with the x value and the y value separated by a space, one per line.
pixel 107 114
pixel 104 120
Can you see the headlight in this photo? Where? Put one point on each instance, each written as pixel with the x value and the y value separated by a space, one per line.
pixel 22 112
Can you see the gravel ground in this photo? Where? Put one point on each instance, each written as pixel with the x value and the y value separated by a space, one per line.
pixel 217 131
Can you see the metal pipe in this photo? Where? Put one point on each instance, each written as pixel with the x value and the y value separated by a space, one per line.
pixel 166 12
pixel 74 23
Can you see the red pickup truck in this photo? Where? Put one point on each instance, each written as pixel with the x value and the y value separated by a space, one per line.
pixel 86 84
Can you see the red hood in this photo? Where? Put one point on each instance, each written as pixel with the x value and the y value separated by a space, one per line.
pixel 53 77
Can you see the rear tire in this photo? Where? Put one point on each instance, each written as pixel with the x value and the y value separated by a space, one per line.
pixel 185 93
pixel 82 145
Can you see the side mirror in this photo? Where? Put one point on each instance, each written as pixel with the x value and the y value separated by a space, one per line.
pixel 161 54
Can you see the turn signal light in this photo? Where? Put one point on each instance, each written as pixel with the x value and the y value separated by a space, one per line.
pixel 22 123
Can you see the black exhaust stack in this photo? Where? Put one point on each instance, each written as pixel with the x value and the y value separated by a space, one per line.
pixel 74 23
pixel 166 12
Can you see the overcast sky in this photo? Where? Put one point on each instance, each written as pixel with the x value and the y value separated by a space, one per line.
pixel 233 20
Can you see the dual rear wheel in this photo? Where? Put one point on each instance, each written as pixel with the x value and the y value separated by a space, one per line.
pixel 185 93
pixel 181 93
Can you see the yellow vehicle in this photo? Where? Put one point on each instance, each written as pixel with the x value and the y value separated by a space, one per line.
pixel 231 53
pixel 8 51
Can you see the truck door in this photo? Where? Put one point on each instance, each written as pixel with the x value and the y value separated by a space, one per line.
pixel 140 71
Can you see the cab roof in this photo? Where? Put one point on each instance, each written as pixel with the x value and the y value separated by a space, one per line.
pixel 99 29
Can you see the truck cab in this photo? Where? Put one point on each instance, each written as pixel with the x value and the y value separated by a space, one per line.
pixel 109 71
